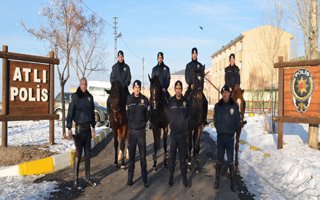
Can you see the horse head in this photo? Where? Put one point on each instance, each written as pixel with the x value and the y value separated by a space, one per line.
pixel 116 96
pixel 155 91
pixel 198 83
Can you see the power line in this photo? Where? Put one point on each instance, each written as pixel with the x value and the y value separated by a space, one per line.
pixel 96 14
pixel 125 43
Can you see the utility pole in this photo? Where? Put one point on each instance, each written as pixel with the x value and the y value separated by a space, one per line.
pixel 115 37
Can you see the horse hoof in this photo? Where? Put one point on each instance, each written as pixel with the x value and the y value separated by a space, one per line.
pixel 154 168
pixel 197 171
pixel 123 167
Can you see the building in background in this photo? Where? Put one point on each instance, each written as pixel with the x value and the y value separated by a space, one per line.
pixel 256 51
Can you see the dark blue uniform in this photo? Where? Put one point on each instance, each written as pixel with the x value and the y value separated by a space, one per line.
pixel 81 111
pixel 178 112
pixel 121 72
pixel 163 72
pixel 138 113
pixel 189 72
pixel 226 120
pixel 232 76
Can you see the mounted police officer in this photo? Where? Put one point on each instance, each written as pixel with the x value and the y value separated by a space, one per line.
pixel 226 120
pixel 232 73
pixel 121 72
pixel 191 67
pixel 138 113
pixel 81 111
pixel 232 77
pixel 178 111
pixel 163 72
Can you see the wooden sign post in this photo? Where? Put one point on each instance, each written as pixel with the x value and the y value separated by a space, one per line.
pixel 299 92
pixel 27 90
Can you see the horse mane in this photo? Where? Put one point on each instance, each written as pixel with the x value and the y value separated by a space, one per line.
pixel 155 85
pixel 116 88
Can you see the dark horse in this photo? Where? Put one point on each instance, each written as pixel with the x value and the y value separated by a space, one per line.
pixel 158 119
pixel 118 120
pixel 237 95
pixel 197 114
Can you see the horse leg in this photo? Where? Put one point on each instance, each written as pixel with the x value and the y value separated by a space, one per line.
pixel 197 147
pixel 165 135
pixel 237 148
pixel 122 148
pixel 189 149
pixel 116 144
pixel 156 140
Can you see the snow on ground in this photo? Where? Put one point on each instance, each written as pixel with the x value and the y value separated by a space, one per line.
pixel 32 133
pixel 37 133
pixel 23 188
pixel 290 173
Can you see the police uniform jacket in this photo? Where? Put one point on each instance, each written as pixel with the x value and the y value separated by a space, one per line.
pixel 163 72
pixel 190 68
pixel 178 113
pixel 81 109
pixel 226 117
pixel 138 111
pixel 232 75
pixel 121 72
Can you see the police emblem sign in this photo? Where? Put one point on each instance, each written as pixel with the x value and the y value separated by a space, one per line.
pixel 298 94
pixel 302 88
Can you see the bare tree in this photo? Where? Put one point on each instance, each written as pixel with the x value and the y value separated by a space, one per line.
pixel 313 54
pixel 298 13
pixel 66 21
pixel 90 53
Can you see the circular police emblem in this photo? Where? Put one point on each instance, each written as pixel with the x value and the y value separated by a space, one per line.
pixel 231 111
pixel 198 66
pixel 89 99
pixel 302 88
pixel 199 78
pixel 164 68
pixel 142 101
pixel 124 69
pixel 184 104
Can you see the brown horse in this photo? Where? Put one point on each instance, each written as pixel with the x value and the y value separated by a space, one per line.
pixel 118 121
pixel 197 113
pixel 237 95
pixel 158 119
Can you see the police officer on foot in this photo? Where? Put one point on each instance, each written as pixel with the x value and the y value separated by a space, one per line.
pixel 138 113
pixel 121 72
pixel 226 120
pixel 178 110
pixel 81 111
pixel 163 72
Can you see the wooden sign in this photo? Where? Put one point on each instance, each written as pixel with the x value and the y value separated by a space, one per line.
pixel 299 92
pixel 27 89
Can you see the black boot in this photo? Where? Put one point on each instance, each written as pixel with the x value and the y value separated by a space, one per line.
pixel 89 180
pixel 185 182
pixel 76 174
pixel 232 178
pixel 170 180
pixel 217 181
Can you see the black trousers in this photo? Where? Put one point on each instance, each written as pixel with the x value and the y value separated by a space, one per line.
pixel 225 143
pixel 137 137
pixel 180 143
pixel 82 141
